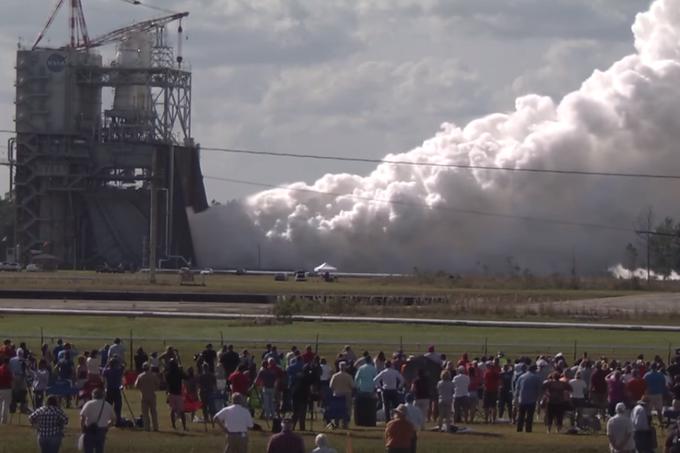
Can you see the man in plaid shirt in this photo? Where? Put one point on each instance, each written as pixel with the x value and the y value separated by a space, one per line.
pixel 49 421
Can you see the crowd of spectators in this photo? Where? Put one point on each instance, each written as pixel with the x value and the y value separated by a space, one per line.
pixel 287 390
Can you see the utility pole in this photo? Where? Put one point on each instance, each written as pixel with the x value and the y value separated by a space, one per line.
pixel 649 229
pixel 153 216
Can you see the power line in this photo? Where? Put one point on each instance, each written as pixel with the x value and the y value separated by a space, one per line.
pixel 546 220
pixel 440 165
pixel 434 165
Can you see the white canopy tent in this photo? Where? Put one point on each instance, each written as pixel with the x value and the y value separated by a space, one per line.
pixel 325 267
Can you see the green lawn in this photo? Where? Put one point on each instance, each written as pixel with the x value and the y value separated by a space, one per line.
pixel 191 334
pixel 484 438
pixel 451 340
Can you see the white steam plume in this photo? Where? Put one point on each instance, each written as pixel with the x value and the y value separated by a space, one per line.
pixel 621 272
pixel 624 119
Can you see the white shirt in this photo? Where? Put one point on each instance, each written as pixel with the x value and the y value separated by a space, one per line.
pixel 436 358
pixel 578 388
pixel 91 411
pixel 415 416
pixel 235 418
pixel 93 365
pixel 620 427
pixel 391 379
pixel 326 372
pixel 461 384
pixel 117 349
pixel 640 418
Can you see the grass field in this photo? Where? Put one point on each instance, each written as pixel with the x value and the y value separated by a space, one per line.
pixel 83 280
pixel 483 438
pixel 191 335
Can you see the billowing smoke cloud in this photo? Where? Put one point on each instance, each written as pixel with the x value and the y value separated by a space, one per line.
pixel 619 271
pixel 624 119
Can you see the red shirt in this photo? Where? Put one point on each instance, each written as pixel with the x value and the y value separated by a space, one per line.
pixel 492 379
pixel 5 377
pixel 308 356
pixel 239 382
pixel 475 380
pixel 286 443
pixel 636 388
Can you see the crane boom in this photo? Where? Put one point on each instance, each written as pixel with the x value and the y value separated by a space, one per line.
pixel 47 25
pixel 117 35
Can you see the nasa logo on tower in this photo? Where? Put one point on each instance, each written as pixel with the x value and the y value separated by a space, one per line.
pixel 56 62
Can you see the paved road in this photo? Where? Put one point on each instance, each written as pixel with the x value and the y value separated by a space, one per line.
pixel 230 312
pixel 118 305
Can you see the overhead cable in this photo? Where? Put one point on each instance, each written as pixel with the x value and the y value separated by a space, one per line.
pixel 443 165
pixel 467 211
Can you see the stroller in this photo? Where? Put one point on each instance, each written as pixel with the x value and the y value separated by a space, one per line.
pixel 589 420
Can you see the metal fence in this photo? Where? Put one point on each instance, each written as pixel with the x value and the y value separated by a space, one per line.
pixel 477 347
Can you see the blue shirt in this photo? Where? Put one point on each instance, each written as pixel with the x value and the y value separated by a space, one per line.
pixel 364 378
pixel 656 383
pixel 293 370
pixel 529 388
pixel 16 366
pixel 114 377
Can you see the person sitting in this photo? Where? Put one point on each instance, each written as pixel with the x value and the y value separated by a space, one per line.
pixel 321 442
pixel 399 433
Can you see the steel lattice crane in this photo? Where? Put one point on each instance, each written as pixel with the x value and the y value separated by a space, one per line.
pixel 80 38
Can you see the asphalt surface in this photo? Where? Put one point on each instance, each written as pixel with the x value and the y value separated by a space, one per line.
pixel 250 311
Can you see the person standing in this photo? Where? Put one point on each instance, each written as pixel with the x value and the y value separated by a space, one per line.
pixel 528 389
pixel 620 431
pixel 656 388
pixel 229 360
pixel 399 433
pixel 301 395
pixel 266 380
pixel 41 379
pixel 342 385
pixel 505 392
pixel 492 382
pixel 643 434
pixel 416 417
pixel 445 390
pixel 148 384
pixel 286 441
pixel 578 397
pixel 207 387
pixel 616 391
pixel 556 391
pixel 96 417
pixel 235 421
pixel 209 356
pixel 117 350
pixel 391 380
pixel 17 366
pixel 49 421
pixel 173 378
pixel 365 402
pixel 461 396
pixel 113 375
pixel 5 390
pixel 140 359
pixel 421 389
